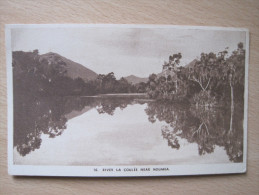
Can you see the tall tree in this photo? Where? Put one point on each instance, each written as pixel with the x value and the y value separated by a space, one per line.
pixel 203 70
pixel 171 68
pixel 234 72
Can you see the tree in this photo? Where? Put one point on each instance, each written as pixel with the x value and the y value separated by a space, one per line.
pixel 207 74
pixel 141 87
pixel 152 83
pixel 106 83
pixel 122 86
pixel 203 70
pixel 233 73
pixel 171 68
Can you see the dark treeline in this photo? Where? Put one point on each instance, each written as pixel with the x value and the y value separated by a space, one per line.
pixel 38 76
pixel 211 80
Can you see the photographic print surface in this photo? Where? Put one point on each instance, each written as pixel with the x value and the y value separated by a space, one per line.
pixel 126 100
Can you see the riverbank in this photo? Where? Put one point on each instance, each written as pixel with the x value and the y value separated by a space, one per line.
pixel 143 95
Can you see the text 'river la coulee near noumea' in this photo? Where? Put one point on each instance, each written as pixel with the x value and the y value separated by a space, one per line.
pixel 66 114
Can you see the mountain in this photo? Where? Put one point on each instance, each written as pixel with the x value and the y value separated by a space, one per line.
pixel 73 69
pixel 163 73
pixel 76 113
pixel 134 79
pixel 191 64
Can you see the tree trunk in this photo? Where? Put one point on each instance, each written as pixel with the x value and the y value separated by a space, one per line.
pixel 232 107
pixel 165 75
pixel 232 97
pixel 176 86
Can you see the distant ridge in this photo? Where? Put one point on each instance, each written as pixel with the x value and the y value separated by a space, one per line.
pixel 74 70
pixel 191 64
pixel 76 113
pixel 134 79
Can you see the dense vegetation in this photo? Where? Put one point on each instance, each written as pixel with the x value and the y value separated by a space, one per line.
pixel 212 80
pixel 38 76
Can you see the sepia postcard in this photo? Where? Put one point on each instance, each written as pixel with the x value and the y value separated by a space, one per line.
pixel 106 100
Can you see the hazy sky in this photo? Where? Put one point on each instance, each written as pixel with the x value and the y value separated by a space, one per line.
pixel 124 51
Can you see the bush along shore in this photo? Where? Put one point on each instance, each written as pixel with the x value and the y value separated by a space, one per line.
pixel 211 80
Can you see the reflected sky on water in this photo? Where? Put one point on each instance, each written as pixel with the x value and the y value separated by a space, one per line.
pixel 123 131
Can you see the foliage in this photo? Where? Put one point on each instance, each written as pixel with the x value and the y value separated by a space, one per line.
pixel 40 76
pixel 207 127
pixel 213 80
pixel 209 80
pixel 204 98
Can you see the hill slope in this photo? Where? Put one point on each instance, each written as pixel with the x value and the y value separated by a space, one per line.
pixel 134 79
pixel 191 64
pixel 74 69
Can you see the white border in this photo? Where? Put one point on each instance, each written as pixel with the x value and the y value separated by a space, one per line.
pixel 88 171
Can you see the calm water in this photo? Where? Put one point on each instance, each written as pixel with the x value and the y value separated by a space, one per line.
pixel 123 131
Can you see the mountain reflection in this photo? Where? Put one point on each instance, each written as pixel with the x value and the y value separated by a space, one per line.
pixel 34 116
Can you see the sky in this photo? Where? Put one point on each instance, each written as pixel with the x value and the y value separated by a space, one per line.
pixel 124 51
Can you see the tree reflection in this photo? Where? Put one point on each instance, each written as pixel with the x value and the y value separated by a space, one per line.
pixel 205 133
pixel 34 116
pixel 171 137
pixel 208 127
pixel 109 104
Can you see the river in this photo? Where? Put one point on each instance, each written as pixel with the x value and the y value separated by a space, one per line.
pixel 122 130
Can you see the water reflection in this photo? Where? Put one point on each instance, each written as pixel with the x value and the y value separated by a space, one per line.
pixel 207 128
pixel 108 105
pixel 34 116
